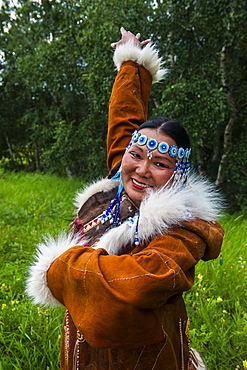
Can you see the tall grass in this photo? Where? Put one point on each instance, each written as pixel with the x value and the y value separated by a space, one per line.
pixel 217 304
pixel 33 205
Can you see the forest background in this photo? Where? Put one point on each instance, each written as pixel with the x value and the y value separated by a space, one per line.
pixel 56 74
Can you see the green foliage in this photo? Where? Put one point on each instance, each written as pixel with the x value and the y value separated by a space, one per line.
pixel 204 44
pixel 235 172
pixel 199 113
pixel 57 72
pixel 35 205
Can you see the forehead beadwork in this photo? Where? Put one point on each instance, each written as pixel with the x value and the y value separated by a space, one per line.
pixel 187 153
pixel 181 153
pixel 152 144
pixel 162 147
pixel 173 151
pixel 135 136
pixel 142 140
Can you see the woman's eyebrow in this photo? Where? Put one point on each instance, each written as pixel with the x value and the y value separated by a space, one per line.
pixel 157 157
pixel 161 157
pixel 137 147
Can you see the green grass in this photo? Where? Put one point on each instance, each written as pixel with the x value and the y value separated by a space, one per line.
pixel 33 205
pixel 217 304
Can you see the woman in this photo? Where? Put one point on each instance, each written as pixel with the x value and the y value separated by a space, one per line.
pixel 136 240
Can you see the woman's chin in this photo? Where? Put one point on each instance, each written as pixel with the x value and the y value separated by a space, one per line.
pixel 136 195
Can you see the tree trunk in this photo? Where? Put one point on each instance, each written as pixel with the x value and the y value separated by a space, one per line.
pixel 10 149
pixel 37 156
pixel 227 142
pixel 226 148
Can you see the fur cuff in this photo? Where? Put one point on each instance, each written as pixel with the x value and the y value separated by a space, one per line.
pixel 147 57
pixel 47 252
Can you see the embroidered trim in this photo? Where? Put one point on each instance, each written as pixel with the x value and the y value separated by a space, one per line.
pixel 80 339
pixel 66 337
pixel 92 223
pixel 187 329
pixel 181 343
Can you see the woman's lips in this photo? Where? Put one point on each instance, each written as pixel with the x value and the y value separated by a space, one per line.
pixel 139 185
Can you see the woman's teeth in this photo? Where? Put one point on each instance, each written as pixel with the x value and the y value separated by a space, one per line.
pixel 139 184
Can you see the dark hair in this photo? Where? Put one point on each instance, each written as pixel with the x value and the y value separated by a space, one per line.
pixel 169 128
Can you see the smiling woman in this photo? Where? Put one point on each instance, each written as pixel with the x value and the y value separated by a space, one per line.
pixel 137 237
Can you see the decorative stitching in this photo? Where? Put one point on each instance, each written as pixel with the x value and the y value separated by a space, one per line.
pixel 169 268
pixel 181 342
pixel 139 357
pixel 129 278
pixel 158 356
pixel 73 268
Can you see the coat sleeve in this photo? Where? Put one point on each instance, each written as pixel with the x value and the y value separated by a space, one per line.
pixel 128 106
pixel 112 299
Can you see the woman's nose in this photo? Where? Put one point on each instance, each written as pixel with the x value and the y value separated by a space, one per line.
pixel 143 168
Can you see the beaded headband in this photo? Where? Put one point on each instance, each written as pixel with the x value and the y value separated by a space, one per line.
pixel 162 147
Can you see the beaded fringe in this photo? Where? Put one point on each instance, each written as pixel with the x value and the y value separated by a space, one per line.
pixel 80 339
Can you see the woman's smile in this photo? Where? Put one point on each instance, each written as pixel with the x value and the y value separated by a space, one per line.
pixel 139 185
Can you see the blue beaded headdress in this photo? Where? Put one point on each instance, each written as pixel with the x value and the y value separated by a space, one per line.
pixel 182 161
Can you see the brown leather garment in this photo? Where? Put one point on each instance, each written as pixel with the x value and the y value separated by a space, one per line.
pixel 134 300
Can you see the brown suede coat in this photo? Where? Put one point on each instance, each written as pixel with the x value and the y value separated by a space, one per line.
pixel 129 307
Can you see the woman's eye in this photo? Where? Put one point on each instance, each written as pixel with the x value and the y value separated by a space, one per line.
pixel 135 155
pixel 161 165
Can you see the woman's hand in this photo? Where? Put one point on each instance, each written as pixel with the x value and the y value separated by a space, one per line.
pixel 127 36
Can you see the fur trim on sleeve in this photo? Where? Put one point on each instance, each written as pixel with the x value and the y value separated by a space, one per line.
pixel 47 252
pixel 147 57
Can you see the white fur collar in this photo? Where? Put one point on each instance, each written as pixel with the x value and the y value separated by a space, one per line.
pixel 161 210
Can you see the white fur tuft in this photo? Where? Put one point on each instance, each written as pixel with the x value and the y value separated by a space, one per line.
pixel 197 360
pixel 147 56
pixel 47 252
pixel 115 239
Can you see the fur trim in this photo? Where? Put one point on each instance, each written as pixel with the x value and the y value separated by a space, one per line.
pixel 166 208
pixel 147 56
pixel 47 252
pixel 101 185
pixel 197 360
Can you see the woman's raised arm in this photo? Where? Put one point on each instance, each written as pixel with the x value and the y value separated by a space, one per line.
pixel 137 68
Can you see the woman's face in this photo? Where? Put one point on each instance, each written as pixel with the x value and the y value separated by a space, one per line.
pixel 141 173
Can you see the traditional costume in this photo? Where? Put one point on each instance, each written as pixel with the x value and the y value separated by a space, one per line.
pixel 123 299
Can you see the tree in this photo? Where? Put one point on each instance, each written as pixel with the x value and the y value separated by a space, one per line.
pixel 205 47
pixel 57 73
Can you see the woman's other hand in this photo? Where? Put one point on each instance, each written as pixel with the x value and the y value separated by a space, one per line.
pixel 127 36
